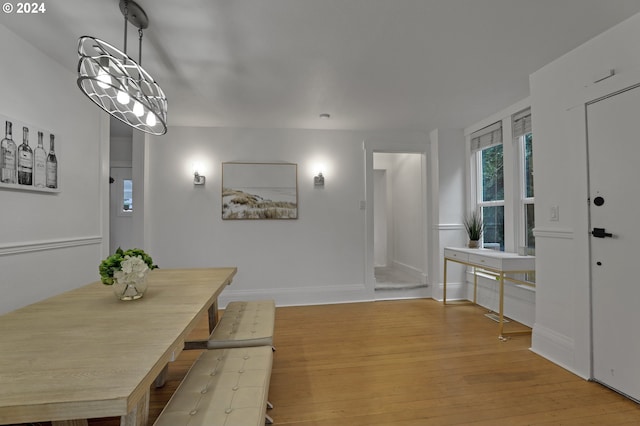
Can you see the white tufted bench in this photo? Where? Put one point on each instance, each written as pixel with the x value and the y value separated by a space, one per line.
pixel 245 324
pixel 224 387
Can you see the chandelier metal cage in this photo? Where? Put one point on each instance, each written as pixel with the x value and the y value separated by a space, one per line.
pixel 118 84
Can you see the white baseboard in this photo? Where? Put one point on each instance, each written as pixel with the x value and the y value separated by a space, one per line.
pixel 301 296
pixel 455 291
pixel 414 293
pixel 555 347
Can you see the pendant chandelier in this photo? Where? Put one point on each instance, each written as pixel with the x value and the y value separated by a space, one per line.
pixel 118 84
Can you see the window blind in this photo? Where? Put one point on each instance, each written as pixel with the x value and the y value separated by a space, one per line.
pixel 521 123
pixel 487 137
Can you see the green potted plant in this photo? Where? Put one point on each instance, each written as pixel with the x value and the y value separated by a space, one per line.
pixel 474 227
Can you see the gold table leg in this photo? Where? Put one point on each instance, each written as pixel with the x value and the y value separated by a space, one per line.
pixel 500 336
pixel 444 284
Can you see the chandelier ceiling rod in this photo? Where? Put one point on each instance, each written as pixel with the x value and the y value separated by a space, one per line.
pixel 126 19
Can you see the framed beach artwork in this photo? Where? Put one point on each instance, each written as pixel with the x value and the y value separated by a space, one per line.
pixel 259 191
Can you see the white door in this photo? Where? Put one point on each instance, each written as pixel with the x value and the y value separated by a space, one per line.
pixel 121 208
pixel 614 179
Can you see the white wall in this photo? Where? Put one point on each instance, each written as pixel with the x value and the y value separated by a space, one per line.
pixel 558 93
pixel 408 196
pixel 50 243
pixel 316 258
pixel 120 151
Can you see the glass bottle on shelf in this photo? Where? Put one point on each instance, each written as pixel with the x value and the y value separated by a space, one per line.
pixel 8 156
pixel 39 164
pixel 25 160
pixel 52 165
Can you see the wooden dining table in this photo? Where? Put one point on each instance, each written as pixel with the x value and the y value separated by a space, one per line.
pixel 85 354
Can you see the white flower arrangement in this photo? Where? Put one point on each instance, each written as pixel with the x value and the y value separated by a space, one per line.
pixel 133 270
pixel 130 266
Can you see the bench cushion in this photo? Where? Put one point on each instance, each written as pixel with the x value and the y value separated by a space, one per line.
pixel 245 324
pixel 224 387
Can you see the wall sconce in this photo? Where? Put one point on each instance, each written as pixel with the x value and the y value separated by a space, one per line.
pixel 198 179
pixel 318 180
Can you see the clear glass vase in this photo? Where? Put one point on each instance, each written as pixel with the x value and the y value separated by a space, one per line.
pixel 130 290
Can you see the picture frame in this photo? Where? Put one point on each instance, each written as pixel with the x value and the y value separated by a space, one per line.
pixel 28 161
pixel 259 191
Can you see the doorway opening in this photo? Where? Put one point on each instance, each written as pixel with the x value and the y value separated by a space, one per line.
pixel 121 186
pixel 398 221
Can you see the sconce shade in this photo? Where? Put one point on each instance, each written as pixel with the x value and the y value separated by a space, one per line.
pixel 198 179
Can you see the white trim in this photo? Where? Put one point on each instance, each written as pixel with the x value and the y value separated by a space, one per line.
pixel 300 296
pixel 555 347
pixel 449 226
pixel 104 186
pixel 455 291
pixel 566 233
pixel 32 246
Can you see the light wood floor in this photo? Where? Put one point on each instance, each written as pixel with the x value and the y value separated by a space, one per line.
pixel 413 362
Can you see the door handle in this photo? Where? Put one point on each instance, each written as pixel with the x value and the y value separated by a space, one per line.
pixel 600 233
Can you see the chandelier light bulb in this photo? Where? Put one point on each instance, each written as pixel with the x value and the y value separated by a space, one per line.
pixel 151 119
pixel 137 109
pixel 123 97
pixel 104 80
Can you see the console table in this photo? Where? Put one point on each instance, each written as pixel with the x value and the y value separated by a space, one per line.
pixel 497 262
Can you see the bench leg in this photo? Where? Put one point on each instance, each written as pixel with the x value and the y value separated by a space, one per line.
pixel 269 405
pixel 268 420
pixel 162 377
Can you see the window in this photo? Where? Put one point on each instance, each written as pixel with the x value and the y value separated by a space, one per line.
pixel 527 199
pixel 502 183
pixel 486 144
pixel 523 138
pixel 127 195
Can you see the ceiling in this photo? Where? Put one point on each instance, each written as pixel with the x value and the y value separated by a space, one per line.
pixel 370 64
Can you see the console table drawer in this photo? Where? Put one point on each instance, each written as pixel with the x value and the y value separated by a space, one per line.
pixel 485 261
pixel 451 254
